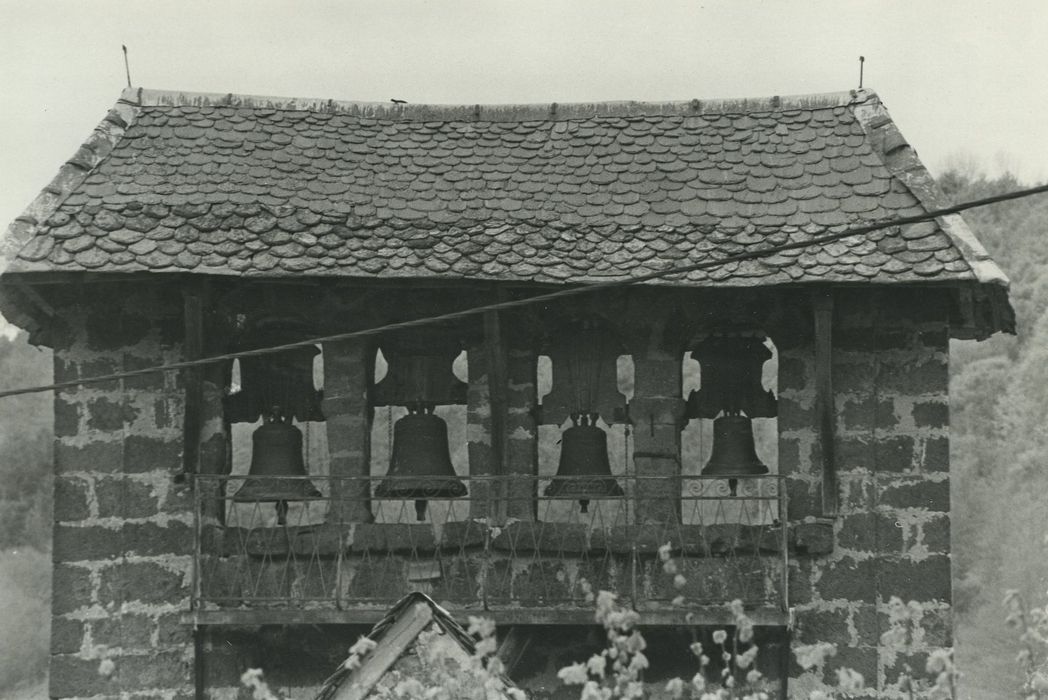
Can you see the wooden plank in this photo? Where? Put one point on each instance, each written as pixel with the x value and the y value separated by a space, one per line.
pixel 651 614
pixel 513 647
pixel 359 683
pixel 822 306
pixel 497 379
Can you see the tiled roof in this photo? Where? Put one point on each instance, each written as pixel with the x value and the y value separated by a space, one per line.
pixel 257 186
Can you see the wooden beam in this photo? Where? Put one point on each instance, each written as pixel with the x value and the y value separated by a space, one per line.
pixel 193 349
pixel 405 630
pixel 497 397
pixel 822 307
pixel 513 646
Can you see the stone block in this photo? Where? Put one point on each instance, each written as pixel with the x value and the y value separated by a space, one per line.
pixel 107 330
pixel 936 533
pixel 868 413
pixel 848 579
pixel 812 539
pixel 868 532
pixel 73 543
pixel 915 493
pixel 894 453
pixel 146 454
pixel 924 581
pixel 799 579
pixel 67 635
pixel 126 630
pixel 173 632
pixel 123 498
pixel 71 676
pixel 67 415
pixel 931 376
pixel 71 499
pixel 935 456
pixel 802 498
pixel 793 373
pixel 71 588
pixel 859 658
pixel 98 456
pixel 147 582
pixel 831 626
pixel 793 412
pixel 106 415
pixel 931 414
pixel 159 669
pixel 381 579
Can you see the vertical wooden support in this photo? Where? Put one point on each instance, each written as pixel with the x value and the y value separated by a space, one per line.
pixel 822 307
pixel 193 348
pixel 348 371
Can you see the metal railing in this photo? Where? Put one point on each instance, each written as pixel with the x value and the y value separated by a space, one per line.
pixel 505 545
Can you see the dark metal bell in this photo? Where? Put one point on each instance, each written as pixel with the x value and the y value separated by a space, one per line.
pixel 584 471
pixel 276 451
pixel 420 466
pixel 733 454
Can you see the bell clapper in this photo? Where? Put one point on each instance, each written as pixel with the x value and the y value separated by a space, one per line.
pixel 282 509
pixel 420 510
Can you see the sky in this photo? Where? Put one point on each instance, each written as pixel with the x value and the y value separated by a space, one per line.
pixel 964 79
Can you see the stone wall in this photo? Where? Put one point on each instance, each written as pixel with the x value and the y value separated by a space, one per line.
pixel 892 534
pixel 123 527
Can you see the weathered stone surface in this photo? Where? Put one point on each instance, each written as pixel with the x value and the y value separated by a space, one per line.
pixel 67 416
pixel 145 454
pixel 71 588
pixel 124 498
pixel 128 630
pixel 142 581
pixel 848 579
pixel 93 542
pixel 98 456
pixel 67 635
pixel 916 493
pixel 71 499
pixel 812 538
pixel 924 580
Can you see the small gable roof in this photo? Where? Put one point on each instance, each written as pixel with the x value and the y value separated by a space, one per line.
pixel 268 187
pixel 394 634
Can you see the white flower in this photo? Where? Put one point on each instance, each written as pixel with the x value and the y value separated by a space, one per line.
pixel 696 648
pixel 849 680
pixel 597 665
pixel 746 658
pixel 720 636
pixel 573 675
pixel 679 581
pixel 675 688
pixel 664 551
pixel 698 682
pixel 811 655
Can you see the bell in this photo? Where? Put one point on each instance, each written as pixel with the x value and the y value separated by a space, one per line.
pixel 276 451
pixel 733 454
pixel 584 471
pixel 420 466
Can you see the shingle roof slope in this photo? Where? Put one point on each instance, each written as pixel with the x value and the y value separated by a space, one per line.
pixel 257 186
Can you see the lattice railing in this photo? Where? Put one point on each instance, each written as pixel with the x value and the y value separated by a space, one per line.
pixel 505 545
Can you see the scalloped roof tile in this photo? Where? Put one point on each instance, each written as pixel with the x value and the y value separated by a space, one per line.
pixel 252 186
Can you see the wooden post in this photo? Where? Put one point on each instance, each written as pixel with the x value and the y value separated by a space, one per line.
pixel 348 368
pixel 193 348
pixel 822 307
pixel 497 398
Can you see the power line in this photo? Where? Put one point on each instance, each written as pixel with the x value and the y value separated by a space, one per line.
pixel 538 299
